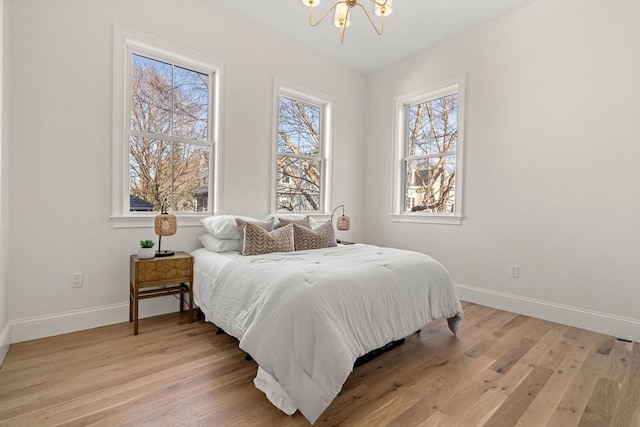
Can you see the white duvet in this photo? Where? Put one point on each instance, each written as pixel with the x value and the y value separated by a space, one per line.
pixel 306 316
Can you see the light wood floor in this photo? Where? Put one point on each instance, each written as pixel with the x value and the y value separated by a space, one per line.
pixel 502 370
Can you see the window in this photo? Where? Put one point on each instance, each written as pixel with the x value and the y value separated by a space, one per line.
pixel 429 155
pixel 301 147
pixel 166 123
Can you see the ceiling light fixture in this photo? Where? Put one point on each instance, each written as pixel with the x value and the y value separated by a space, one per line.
pixel 342 8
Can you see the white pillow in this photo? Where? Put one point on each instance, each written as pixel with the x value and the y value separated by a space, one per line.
pixel 214 244
pixel 292 217
pixel 224 226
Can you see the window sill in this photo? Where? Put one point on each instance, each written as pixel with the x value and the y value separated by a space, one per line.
pixel 147 221
pixel 427 219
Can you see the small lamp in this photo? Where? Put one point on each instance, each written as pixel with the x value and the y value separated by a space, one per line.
pixel 165 225
pixel 384 9
pixel 344 222
pixel 341 16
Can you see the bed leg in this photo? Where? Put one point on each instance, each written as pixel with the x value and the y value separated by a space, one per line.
pixel 220 331
pixel 454 323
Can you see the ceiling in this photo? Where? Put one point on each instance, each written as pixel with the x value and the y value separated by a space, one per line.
pixel 413 26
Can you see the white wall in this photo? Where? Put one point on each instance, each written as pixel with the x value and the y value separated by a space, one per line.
pixel 60 177
pixel 5 336
pixel 552 165
pixel 552 173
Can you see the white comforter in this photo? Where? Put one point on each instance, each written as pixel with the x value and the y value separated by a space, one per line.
pixel 306 316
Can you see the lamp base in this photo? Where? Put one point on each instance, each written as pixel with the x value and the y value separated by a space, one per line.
pixel 164 253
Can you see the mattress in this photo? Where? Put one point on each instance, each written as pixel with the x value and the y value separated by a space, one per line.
pixel 206 268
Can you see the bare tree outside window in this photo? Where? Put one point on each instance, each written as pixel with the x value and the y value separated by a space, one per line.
pixel 299 158
pixel 168 140
pixel 430 162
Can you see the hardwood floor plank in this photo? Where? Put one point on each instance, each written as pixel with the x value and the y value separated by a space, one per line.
pixel 501 369
pixel 618 363
pixel 413 387
pixel 438 419
pixel 496 319
pixel 545 403
pixel 511 357
pixel 627 411
pixel 491 329
pixel 518 401
pixel 602 404
pixel 449 385
pixel 512 379
pixel 481 409
pixel 571 407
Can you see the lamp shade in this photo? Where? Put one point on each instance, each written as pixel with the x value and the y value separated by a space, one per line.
pixel 165 224
pixel 344 223
pixel 341 17
pixel 384 8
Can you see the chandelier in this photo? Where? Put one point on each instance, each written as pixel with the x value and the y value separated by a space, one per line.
pixel 342 12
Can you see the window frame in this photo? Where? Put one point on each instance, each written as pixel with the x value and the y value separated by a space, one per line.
pixel 401 105
pixel 125 43
pixel 325 102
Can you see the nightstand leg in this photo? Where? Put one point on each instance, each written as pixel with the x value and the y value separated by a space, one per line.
pixel 190 302
pixel 130 302
pixel 135 310
pixel 181 300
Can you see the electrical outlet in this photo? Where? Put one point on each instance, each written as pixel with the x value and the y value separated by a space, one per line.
pixel 514 271
pixel 76 280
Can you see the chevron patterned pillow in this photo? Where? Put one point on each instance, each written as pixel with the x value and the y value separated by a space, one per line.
pixel 241 223
pixel 258 241
pixel 320 237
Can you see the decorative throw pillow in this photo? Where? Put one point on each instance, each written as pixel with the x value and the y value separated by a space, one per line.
pixel 303 222
pixel 258 241
pixel 278 217
pixel 241 224
pixel 320 237
pixel 214 244
pixel 224 226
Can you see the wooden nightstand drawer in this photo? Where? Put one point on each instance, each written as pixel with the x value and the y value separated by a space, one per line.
pixel 178 268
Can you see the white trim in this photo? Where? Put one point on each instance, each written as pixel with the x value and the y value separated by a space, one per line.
pixel 72 321
pixel 146 221
pixel 5 340
pixel 443 88
pixel 427 219
pixel 124 40
pixel 294 90
pixel 610 324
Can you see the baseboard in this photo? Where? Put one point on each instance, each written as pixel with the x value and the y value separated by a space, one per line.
pixel 61 323
pixel 5 341
pixel 72 321
pixel 610 324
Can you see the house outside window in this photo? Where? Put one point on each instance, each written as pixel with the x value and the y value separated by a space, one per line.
pixel 428 155
pixel 302 141
pixel 166 111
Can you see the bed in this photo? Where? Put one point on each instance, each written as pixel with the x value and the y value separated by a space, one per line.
pixel 306 316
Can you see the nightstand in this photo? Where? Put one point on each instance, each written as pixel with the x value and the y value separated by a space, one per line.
pixel 157 277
